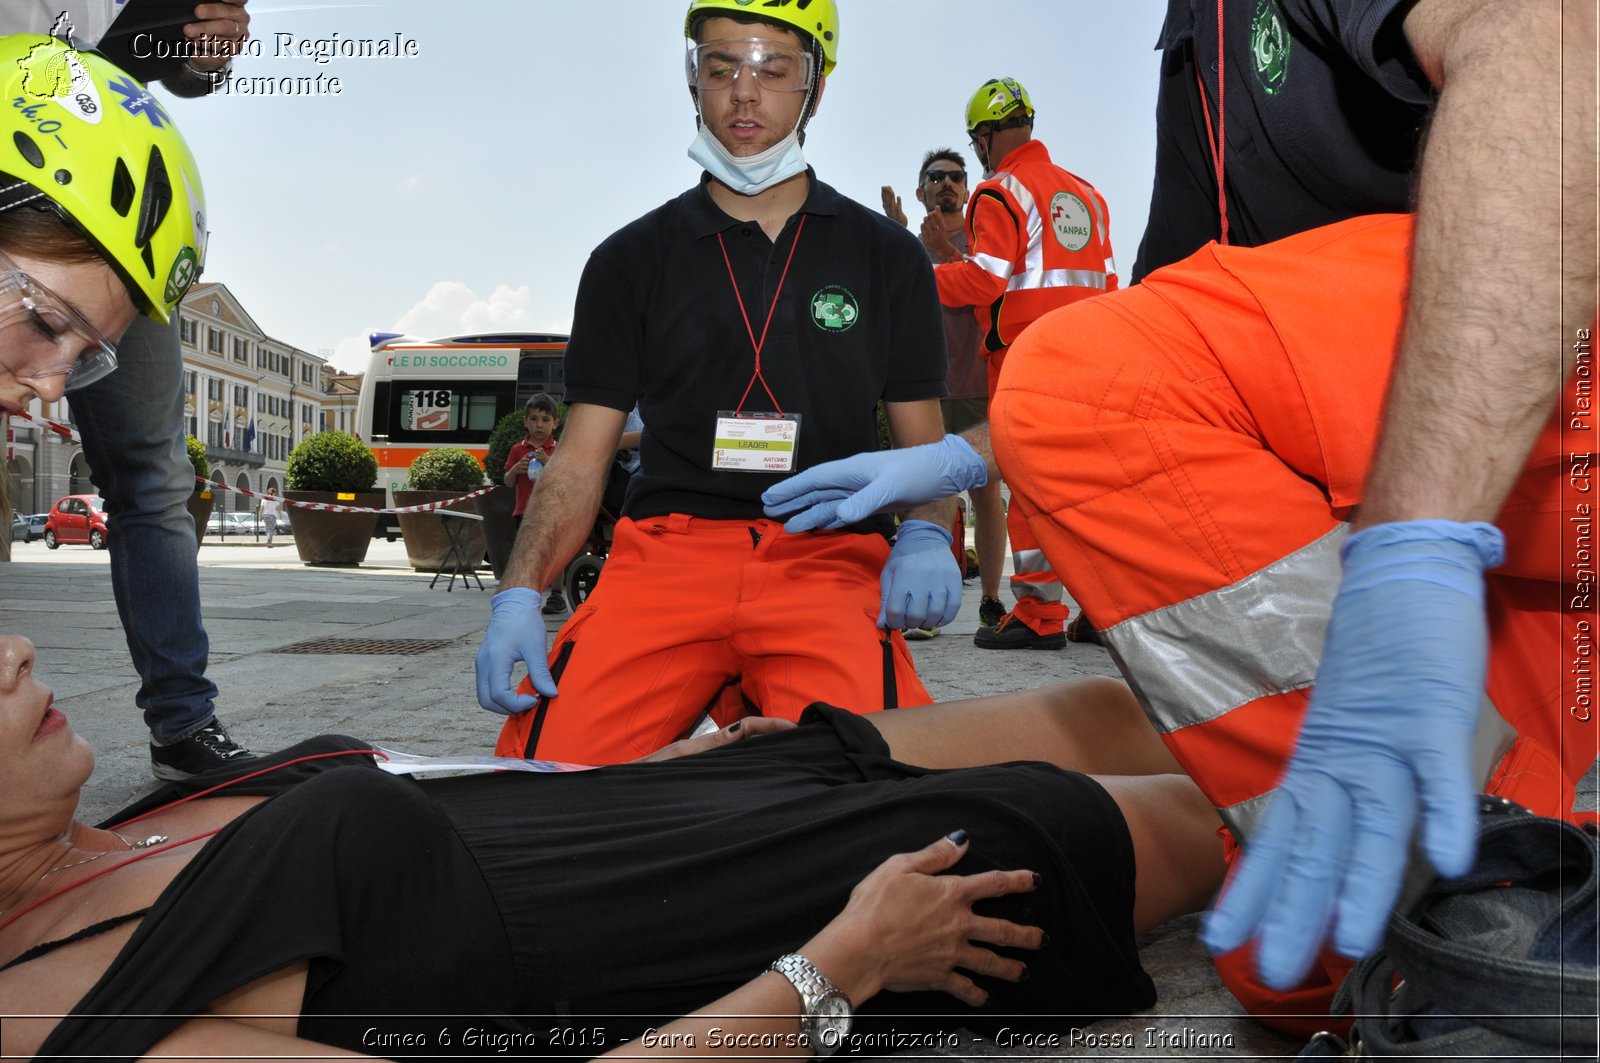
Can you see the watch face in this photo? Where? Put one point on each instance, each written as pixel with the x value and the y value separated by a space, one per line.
pixel 833 1017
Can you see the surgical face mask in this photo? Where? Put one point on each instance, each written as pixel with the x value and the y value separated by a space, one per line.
pixel 750 174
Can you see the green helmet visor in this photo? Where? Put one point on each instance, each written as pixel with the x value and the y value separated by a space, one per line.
pixel 43 337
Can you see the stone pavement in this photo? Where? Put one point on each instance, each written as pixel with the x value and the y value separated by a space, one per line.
pixel 259 601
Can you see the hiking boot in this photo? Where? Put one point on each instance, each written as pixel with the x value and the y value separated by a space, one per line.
pixel 1013 634
pixel 555 603
pixel 921 634
pixel 1080 630
pixel 208 748
pixel 991 611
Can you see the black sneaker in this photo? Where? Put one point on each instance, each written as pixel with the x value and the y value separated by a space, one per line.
pixel 210 747
pixel 991 611
pixel 1080 630
pixel 1013 634
pixel 555 603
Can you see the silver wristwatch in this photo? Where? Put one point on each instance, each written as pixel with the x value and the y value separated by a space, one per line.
pixel 828 1012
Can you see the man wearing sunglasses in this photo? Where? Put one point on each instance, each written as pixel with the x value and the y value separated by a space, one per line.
pixel 942 191
pixel 1039 239
pixel 758 320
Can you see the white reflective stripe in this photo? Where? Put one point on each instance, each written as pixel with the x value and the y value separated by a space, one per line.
pixel 1195 660
pixel 999 267
pixel 1029 561
pixel 1243 818
pixel 1033 256
pixel 1059 278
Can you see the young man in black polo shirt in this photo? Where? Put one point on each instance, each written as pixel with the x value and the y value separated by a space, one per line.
pixel 757 319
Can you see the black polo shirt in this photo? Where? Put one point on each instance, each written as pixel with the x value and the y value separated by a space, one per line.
pixel 657 322
pixel 1325 112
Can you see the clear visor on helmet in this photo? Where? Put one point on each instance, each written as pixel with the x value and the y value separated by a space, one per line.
pixel 42 336
pixel 770 66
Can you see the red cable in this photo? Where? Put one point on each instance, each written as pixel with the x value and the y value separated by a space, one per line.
pixel 194 838
pixel 1217 138
pixel 770 311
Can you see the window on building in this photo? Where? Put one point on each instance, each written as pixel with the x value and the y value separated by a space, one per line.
pixel 241 350
pixel 188 330
pixel 214 389
pixel 214 340
pixel 214 434
pixel 191 382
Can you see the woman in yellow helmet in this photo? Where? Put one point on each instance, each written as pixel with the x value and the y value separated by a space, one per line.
pixel 102 219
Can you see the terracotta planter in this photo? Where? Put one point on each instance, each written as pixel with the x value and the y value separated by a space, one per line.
pixel 427 542
pixel 499 527
pixel 200 505
pixel 325 538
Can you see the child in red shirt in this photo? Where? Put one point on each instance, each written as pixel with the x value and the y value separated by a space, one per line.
pixel 541 416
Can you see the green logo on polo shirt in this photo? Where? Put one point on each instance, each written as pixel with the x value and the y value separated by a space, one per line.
pixel 1269 46
pixel 834 308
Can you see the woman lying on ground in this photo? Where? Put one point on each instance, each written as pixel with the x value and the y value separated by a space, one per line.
pixel 314 888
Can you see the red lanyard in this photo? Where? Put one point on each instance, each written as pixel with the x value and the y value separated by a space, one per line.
pixel 762 342
pixel 1219 144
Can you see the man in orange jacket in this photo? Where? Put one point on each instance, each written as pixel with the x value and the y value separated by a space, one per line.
pixel 1038 238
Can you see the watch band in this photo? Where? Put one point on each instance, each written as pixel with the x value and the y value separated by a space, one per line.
pixel 814 988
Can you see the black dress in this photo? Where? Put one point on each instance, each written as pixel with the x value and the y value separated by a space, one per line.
pixel 560 914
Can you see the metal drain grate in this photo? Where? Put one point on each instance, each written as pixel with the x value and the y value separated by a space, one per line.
pixel 399 647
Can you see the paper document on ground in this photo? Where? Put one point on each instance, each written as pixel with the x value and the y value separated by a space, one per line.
pixel 397 763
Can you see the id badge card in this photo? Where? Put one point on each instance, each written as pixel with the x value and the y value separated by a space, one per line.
pixel 755 442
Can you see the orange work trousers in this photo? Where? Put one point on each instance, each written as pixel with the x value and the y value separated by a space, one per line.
pixel 728 618
pixel 1187 450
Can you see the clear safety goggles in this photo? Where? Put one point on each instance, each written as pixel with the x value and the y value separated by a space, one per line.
pixel 42 336
pixel 772 67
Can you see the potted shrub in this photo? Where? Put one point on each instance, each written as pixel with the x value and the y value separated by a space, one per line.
pixel 201 499
pixel 439 475
pixel 499 529
pixel 338 468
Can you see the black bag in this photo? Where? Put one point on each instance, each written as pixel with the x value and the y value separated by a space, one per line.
pixel 1499 964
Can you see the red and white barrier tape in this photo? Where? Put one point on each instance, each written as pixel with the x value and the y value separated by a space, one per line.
pixel 69 432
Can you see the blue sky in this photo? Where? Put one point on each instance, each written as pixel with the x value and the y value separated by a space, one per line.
pixel 461 189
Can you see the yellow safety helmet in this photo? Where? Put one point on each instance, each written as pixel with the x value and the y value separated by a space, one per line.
pixel 995 99
pixel 85 140
pixel 818 19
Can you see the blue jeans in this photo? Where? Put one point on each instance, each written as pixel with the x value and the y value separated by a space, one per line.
pixel 132 428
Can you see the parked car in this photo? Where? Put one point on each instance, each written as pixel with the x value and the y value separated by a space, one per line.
pixel 231 524
pixel 76 519
pixel 26 527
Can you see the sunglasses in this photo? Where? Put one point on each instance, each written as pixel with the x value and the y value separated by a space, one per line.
pixel 934 177
pixel 41 330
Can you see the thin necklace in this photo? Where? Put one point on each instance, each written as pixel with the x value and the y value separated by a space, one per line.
pixel 132 846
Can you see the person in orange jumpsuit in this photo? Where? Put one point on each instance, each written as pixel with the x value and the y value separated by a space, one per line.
pixel 1321 496
pixel 1038 238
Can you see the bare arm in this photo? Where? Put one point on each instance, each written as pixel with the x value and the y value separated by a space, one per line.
pixel 566 498
pixel 1485 349
pixel 912 424
pixel 630 440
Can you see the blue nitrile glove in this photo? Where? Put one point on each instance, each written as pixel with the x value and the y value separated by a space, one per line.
pixel 1389 727
pixel 921 582
pixel 516 633
pixel 839 493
